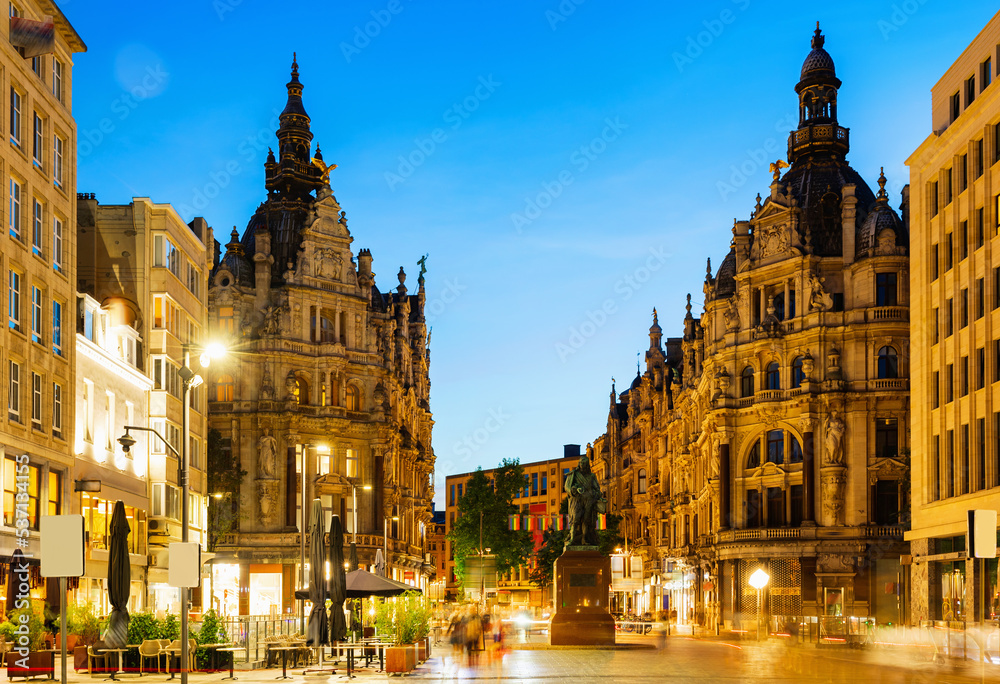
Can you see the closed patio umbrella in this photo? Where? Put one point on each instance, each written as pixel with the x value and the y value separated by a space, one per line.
pixel 379 563
pixel 119 579
pixel 14 573
pixel 338 582
pixel 316 631
pixel 353 558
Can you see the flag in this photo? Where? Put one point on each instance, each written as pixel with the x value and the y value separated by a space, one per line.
pixel 524 523
pixel 530 520
pixel 602 521
pixel 513 522
pixel 543 522
pixel 558 522
pixel 36 37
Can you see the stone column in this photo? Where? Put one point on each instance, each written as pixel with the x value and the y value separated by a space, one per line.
pixel 808 478
pixel 291 479
pixel 725 487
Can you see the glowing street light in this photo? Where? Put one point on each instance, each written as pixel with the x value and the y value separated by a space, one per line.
pixel 758 580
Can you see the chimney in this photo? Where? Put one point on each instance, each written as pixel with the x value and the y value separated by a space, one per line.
pixel 571 451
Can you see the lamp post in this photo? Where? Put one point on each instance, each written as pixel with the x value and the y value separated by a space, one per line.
pixel 758 580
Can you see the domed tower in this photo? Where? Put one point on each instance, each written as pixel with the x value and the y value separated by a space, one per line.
pixel 818 134
pixel 293 174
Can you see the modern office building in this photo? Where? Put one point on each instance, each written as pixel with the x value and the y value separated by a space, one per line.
pixel 955 291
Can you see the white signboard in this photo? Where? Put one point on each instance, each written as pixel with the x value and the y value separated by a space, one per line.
pixel 185 564
pixel 62 546
pixel 982 541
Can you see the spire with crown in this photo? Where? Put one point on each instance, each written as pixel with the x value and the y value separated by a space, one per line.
pixel 818 134
pixel 292 172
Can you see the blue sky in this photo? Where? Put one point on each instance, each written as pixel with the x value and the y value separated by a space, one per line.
pixel 567 165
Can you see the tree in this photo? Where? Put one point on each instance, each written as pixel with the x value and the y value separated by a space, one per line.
pixel 225 475
pixel 553 542
pixel 489 502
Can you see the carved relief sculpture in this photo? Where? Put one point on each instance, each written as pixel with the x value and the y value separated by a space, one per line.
pixel 833 495
pixel 266 446
pixel 834 454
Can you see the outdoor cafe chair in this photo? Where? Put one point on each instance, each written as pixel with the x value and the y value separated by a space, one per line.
pixel 149 648
pixel 95 651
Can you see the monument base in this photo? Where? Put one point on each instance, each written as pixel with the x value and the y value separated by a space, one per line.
pixel 581 580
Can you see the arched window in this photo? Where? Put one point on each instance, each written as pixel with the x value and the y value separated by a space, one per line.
pixel 798 375
pixel 773 376
pixel 888 363
pixel 325 330
pixel 753 458
pixel 795 452
pixel 225 388
pixel 353 398
pixel 746 382
pixel 642 481
pixel 301 392
pixel 776 446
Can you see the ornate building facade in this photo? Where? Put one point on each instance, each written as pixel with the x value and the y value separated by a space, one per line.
pixel 774 432
pixel 328 374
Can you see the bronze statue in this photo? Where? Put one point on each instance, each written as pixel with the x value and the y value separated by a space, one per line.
pixel 585 502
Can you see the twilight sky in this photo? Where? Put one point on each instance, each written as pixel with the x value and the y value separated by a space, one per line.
pixel 567 165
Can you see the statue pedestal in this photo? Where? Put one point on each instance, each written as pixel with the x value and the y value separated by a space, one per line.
pixel 581 580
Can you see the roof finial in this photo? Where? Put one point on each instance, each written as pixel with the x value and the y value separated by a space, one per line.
pixel 881 184
pixel 688 306
pixel 818 38
pixel 295 65
pixel 708 269
pixel 655 319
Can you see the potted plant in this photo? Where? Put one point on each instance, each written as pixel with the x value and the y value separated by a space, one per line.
pixel 84 630
pixel 25 658
pixel 212 632
pixel 7 636
pixel 141 627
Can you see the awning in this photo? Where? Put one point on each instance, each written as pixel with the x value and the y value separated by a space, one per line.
pixel 114 486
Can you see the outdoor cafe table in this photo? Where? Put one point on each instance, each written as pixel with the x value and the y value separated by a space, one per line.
pixel 379 646
pixel 284 658
pixel 232 656
pixel 120 670
pixel 214 655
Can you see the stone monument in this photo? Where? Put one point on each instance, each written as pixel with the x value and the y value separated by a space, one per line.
pixel 582 575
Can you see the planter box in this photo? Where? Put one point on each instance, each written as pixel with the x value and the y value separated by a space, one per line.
pixel 80 658
pixel 396 659
pixel 411 656
pixel 422 650
pixel 38 664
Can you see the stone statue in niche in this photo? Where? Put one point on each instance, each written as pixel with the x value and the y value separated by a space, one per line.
pixel 266 446
pixel 266 386
pixel 291 385
pixel 732 314
pixel 819 299
pixel 272 320
pixel 834 454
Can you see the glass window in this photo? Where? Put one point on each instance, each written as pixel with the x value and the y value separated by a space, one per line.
pixel 36 143
pixel 57 77
pixel 14 215
pixel 27 475
pixel 225 388
pixel 353 398
pixel 885 289
pixel 888 363
pixel 13 300
pixel 14 391
pixel 798 375
pixel 776 446
pixel 57 327
pixel 755 517
pixel 753 458
pixel 326 330
pixel 55 493
pixel 15 116
pixel 36 315
pixel 642 481
pixel 773 376
pixel 36 229
pixel 746 382
pixel 58 145
pixel 795 451
pixel 352 463
pixel 886 438
pixel 57 409
pixel 57 244
pixel 36 401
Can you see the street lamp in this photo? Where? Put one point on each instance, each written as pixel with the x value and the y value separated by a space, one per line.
pixel 758 580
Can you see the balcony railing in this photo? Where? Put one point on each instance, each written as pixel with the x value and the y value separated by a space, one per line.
pixel 888 313
pixel 884 384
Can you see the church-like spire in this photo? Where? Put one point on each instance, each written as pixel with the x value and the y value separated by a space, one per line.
pixel 291 171
pixel 818 135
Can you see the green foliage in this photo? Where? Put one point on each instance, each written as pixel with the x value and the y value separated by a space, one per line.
pixel 141 626
pixel 212 632
pixel 31 616
pixel 404 619
pixel 82 621
pixel 7 630
pixel 170 627
pixel 553 542
pixel 486 506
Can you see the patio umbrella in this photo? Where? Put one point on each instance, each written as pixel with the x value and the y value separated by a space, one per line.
pixel 338 583
pixel 353 558
pixel 316 631
pixel 379 563
pixel 362 584
pixel 119 579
